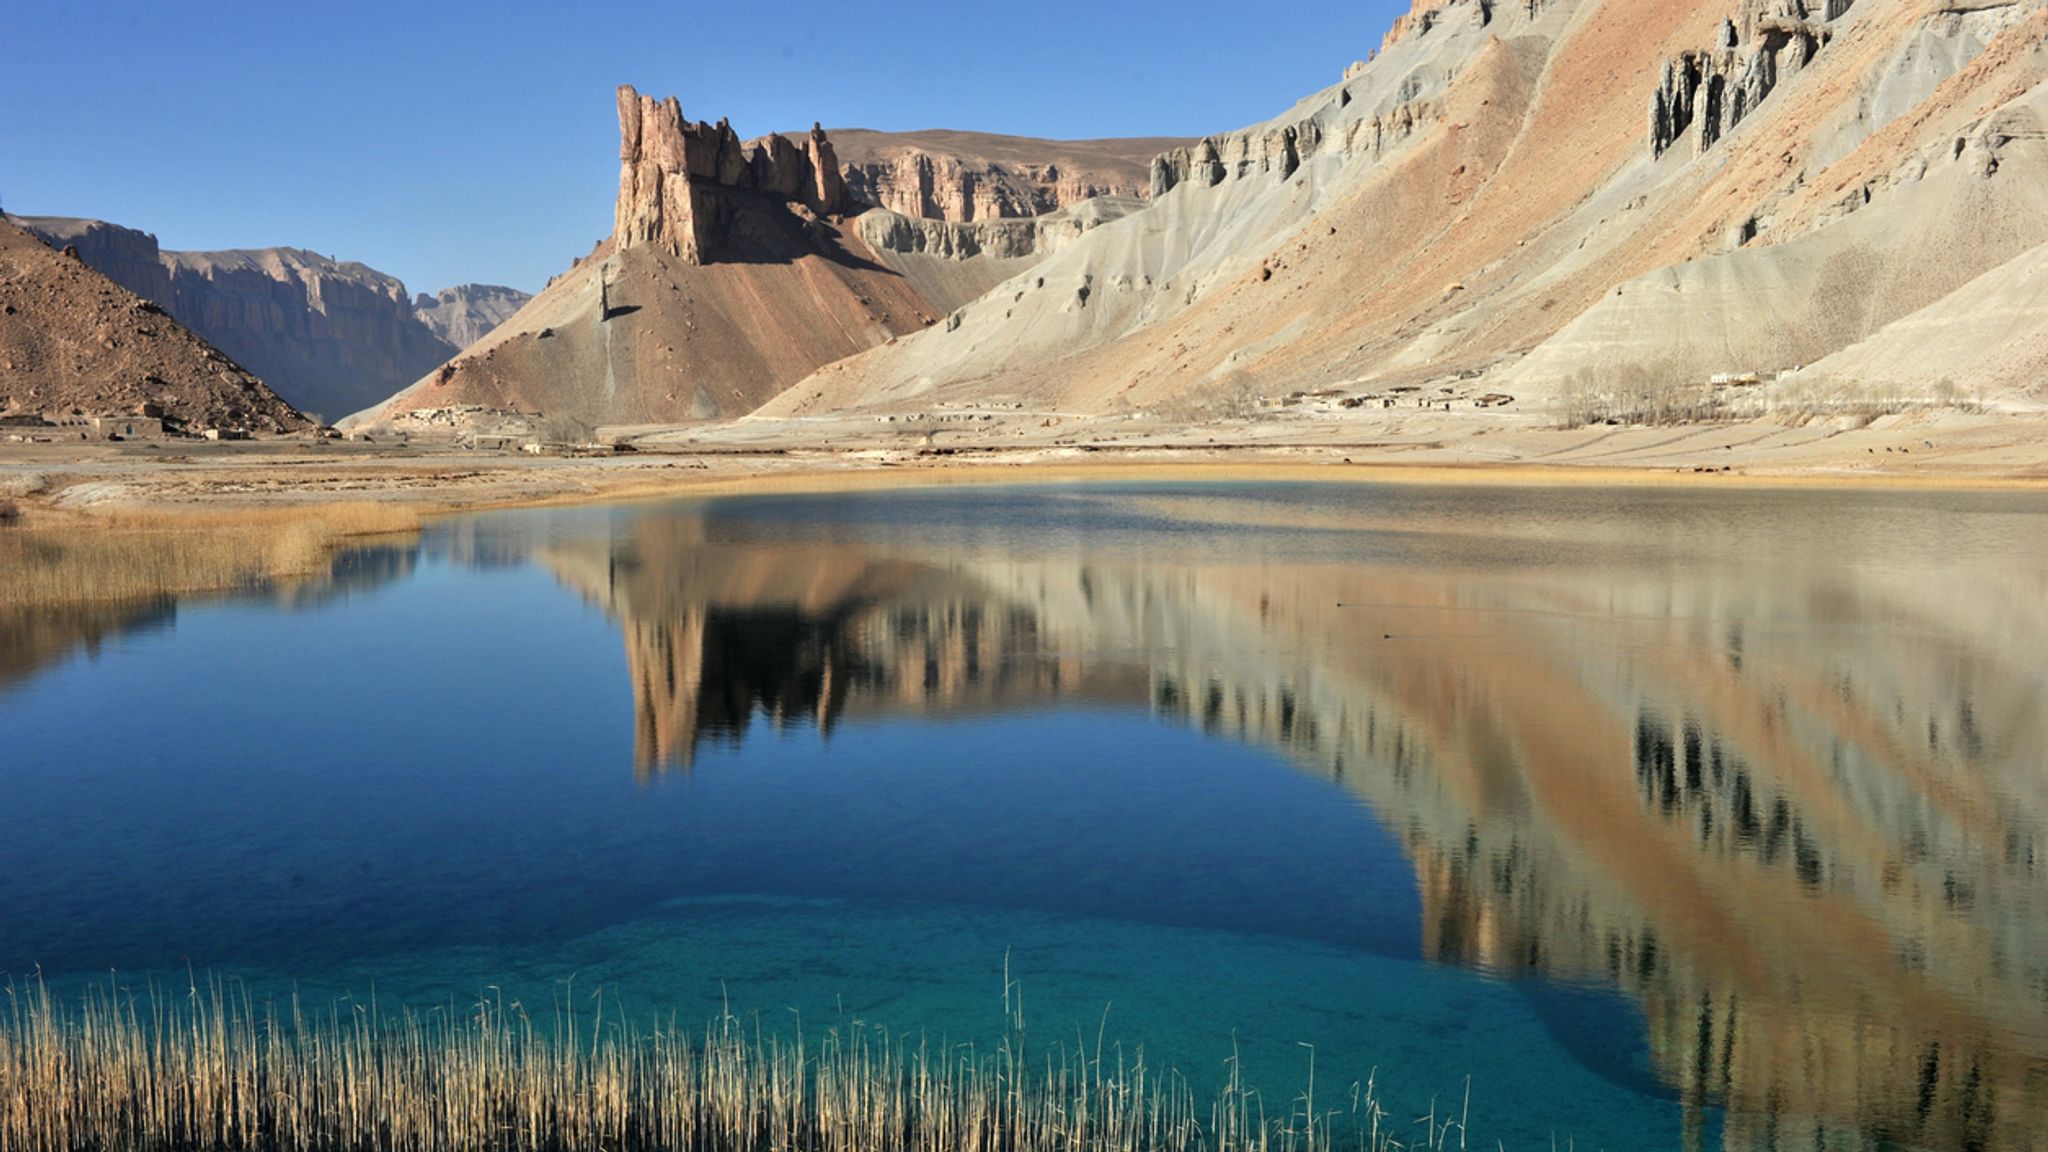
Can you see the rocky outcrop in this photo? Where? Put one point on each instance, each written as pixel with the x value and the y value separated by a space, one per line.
pixel 1708 93
pixel 74 342
pixel 888 231
pixel 968 177
pixel 675 174
pixel 466 313
pixel 1427 15
pixel 1214 159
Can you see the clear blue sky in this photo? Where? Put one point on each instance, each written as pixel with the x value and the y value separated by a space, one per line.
pixel 448 141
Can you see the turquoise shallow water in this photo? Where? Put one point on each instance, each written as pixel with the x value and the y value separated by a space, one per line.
pixel 1666 821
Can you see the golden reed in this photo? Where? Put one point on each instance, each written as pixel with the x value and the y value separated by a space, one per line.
pixel 207 1067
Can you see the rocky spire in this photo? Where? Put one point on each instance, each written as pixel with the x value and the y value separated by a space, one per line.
pixel 673 171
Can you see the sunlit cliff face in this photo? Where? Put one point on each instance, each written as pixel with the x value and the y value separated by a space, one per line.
pixel 1793 808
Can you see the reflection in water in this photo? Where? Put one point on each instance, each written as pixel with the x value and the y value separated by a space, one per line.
pixel 1773 769
pixel 34 638
pixel 1793 810
pixel 716 635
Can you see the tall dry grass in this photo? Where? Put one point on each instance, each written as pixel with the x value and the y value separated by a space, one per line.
pixel 208 1068
pixel 57 557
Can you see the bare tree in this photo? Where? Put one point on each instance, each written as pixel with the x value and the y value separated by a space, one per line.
pixel 566 428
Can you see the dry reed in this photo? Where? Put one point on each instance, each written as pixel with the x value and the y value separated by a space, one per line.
pixel 209 1068
pixel 54 557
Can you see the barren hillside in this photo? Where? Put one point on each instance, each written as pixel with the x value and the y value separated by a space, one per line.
pixel 329 335
pixel 71 340
pixel 1542 196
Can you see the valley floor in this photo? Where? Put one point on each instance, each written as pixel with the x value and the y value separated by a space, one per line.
pixel 1943 449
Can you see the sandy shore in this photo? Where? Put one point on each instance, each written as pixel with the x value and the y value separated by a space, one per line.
pixel 1946 451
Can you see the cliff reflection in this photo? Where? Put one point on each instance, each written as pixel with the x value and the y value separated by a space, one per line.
pixel 716 635
pixel 1796 811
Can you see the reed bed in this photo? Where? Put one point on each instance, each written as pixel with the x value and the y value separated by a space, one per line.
pixel 208 1067
pixel 54 557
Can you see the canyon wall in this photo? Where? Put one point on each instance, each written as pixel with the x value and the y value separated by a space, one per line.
pixel 330 336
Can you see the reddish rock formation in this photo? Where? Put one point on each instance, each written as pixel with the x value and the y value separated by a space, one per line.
pixel 732 271
pixel 674 173
pixel 1708 93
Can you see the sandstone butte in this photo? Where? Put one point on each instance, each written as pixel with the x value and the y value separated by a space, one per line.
pixel 1519 197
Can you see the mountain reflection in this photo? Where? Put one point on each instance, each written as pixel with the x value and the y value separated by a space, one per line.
pixel 1782 783
pixel 1793 810
pixel 716 635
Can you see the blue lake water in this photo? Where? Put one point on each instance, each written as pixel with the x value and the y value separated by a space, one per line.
pixel 1662 819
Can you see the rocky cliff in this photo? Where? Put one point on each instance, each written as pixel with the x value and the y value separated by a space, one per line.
pixel 330 336
pixel 685 185
pixel 466 313
pixel 72 340
pixel 971 176
pixel 124 255
pixel 736 266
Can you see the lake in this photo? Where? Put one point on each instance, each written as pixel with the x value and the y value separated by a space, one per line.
pixel 1640 818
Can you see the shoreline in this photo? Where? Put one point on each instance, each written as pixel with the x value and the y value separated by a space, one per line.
pixel 97 484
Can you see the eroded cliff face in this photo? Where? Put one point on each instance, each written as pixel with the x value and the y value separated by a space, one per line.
pixel 732 270
pixel 1482 200
pixel 125 256
pixel 964 177
pixel 674 174
pixel 1708 93
pixel 329 336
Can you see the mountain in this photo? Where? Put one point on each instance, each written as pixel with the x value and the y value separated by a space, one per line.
pixel 732 270
pixel 466 313
pixel 963 176
pixel 1604 207
pixel 736 267
pixel 72 339
pixel 330 336
pixel 1549 196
